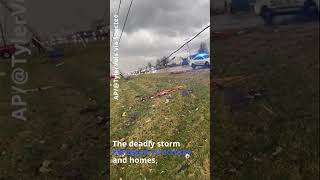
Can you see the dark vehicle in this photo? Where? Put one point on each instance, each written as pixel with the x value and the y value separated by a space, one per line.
pixel 185 62
pixel 268 9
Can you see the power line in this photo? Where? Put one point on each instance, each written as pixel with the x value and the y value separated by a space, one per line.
pixel 118 11
pixel 122 28
pixel 186 42
pixel 125 21
pixel 119 8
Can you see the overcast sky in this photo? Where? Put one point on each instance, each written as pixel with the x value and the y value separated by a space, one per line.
pixel 155 28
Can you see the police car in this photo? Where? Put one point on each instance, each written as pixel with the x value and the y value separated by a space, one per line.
pixel 200 59
pixel 268 9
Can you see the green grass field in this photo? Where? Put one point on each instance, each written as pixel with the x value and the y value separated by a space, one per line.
pixel 56 132
pixel 275 136
pixel 176 117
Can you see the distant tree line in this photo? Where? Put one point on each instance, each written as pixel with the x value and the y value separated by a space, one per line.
pixel 163 62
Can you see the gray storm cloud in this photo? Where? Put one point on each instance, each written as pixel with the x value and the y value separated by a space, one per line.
pixel 156 28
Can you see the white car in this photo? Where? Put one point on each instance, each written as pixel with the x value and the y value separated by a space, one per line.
pixel 268 9
pixel 200 60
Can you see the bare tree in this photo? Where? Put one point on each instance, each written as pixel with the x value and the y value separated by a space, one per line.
pixel 203 47
pixel 158 63
pixel 164 61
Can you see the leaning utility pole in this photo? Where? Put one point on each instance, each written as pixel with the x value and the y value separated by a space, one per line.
pixel 35 35
pixel 2 34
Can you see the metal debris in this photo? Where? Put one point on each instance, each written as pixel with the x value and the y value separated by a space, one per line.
pixel 45 167
pixel 278 151
pixel 168 91
pixel 39 89
pixel 183 168
pixel 60 64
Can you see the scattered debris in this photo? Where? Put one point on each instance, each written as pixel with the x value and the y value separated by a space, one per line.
pixel 99 118
pixel 145 98
pixel 124 114
pixel 39 89
pixel 168 91
pixel 257 93
pixel 268 109
pixel 132 118
pixel 64 147
pixel 169 97
pixel 45 167
pixel 183 168
pixel 278 151
pixel 185 92
pixel 60 64
pixel 180 72
pixel 161 93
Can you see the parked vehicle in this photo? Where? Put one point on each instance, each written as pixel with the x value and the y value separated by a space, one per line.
pixel 185 62
pixel 200 59
pixel 7 50
pixel 268 9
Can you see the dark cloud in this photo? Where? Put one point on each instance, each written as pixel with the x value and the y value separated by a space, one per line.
pixel 165 16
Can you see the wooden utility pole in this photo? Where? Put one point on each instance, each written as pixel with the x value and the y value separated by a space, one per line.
pixel 35 36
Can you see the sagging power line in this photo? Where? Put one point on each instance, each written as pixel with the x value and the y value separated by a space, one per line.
pixel 186 43
pixel 125 20
pixel 122 29
pixel 118 11
pixel 183 45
